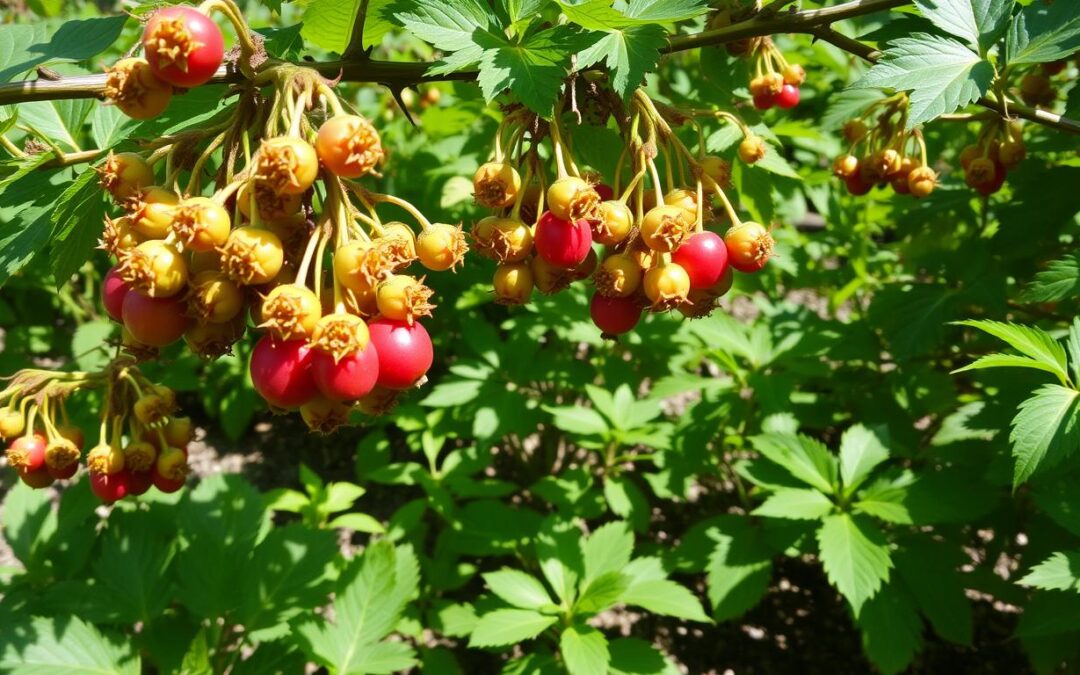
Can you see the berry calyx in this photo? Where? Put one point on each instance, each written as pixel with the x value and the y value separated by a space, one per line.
pixel 665 228
pixel 183 46
pixel 704 256
pixel 794 74
pixel 155 268
pixel 496 185
pixel 252 256
pixel 398 243
pixel 405 352
pixel 562 243
pixel 666 286
pixel 614 316
pixel 749 246
pixel 281 372
pixel 513 283
pixel 403 298
pixel 290 312
pixel 134 88
pixel 118 237
pixel 62 458
pixel 201 224
pixel 572 198
pixel 618 277
pixel 155 322
pixel 441 247
pixel 105 459
pixel 348 146
pixel 287 164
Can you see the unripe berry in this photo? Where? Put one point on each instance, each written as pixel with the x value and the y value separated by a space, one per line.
pixel 665 228
pixel 213 298
pixel 513 283
pixel 496 185
pixel 613 223
pixel 403 298
pixel 684 199
pixel 349 146
pixel 105 459
pixel 854 131
pixel 290 312
pixel 324 416
pixel 749 246
pixel 287 164
pixel 666 286
pixel 619 276
pixel 270 205
pixel 201 224
pixel 922 181
pixel 252 256
pixel 548 278
pixel 509 240
pixel 123 174
pixel 178 432
pixel 133 87
pixel 151 211
pixel 1011 153
pixel 212 340
pixel 118 237
pixel 752 149
pixel 717 168
pixel 441 247
pixel 794 74
pixel 140 456
pixel 155 269
pixel 571 199
pixel 12 423
pixel 845 165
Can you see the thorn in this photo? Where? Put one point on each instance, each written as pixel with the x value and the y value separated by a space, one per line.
pixel 401 104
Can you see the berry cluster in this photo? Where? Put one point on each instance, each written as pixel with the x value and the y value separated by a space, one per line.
pixel 44 446
pixel 658 254
pixel 998 148
pixel 774 81
pixel 1038 88
pixel 886 153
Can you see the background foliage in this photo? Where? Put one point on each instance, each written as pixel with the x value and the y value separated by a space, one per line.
pixel 867 457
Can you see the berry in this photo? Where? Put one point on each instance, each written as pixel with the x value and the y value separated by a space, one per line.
pixel 548 278
pixel 123 174
pixel 62 456
pixel 151 211
pixel 201 224
pixel 614 316
pixel 684 199
pixel 496 185
pixel 857 185
pixel 155 322
pixel 752 149
pixel 27 453
pixel 572 198
pixel 794 74
pixel 290 312
pixel 666 286
pixel 155 268
pixel 213 298
pixel 12 423
pixel 113 291
pixel 252 256
pixel 403 298
pixel 170 470
pixel 140 456
pixel 270 205
pixel 184 46
pixel 349 378
pixel 348 146
pixel 109 487
pixel 604 191
pixel 764 100
pixel 562 243
pixel 105 459
pixel 718 169
pixel 132 85
pixel 922 181
pixel 212 340
pixel 138 482
pixel 788 97
pixel 618 277
pixel 613 223
pixel 704 256
pixel 665 228
pixel 855 130
pixel 513 283
pixel 281 372
pixel 772 83
pixel 508 239
pixel 845 165
pixel 405 352
pixel 37 479
pixel 178 432
pixel 441 247
pixel 324 416
pixel 288 165
pixel 118 237
pixel 749 246
pixel 1011 153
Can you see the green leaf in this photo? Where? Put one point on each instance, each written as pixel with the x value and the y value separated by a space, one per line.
pixel 1060 280
pixel 632 656
pixel 666 597
pixel 451 393
pixel 601 593
pixel 378 585
pixel 1059 572
pixel 517 588
pixel 738 569
pixel 980 23
pixel 629 54
pixel 361 522
pixel 584 650
pixel 77 225
pixel 63 644
pixel 59 120
pixel 855 557
pixel 578 420
pixel 941 75
pixel 795 504
pixel 930 573
pixel 860 451
pixel 1042 33
pixel 109 126
pixel 534 68
pixel 1045 430
pixel 1028 340
pixel 23 47
pixel 508 627
pixel 1009 361
pixel 806 459
pixel 133 566
pixel 558 547
pixel 28 521
pixel 891 630
pixel 608 549
pixel 290 572
pixel 90 344
pixel 329 23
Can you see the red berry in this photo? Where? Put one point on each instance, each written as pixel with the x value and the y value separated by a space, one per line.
pixel 138 482
pixel 281 372
pixel 562 243
pixel 764 100
pixel 109 487
pixel 113 291
pixel 614 316
pixel 183 46
pixel 27 453
pixel 64 472
pixel 704 256
pixel 788 97
pixel 350 378
pixel 405 352
pixel 37 479
pixel 156 322
pixel 857 185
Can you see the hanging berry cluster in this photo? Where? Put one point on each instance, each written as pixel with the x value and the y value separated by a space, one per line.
pixel 998 148
pixel 141 444
pixel 773 81
pixel 883 152
pixel 1041 87
pixel 658 253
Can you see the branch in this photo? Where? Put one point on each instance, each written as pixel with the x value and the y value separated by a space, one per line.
pixel 867 52
pixel 355 48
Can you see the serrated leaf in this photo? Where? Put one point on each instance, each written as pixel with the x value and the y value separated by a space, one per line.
pixel 629 54
pixel 584 650
pixel 1045 430
pixel 329 23
pixel 795 504
pixel 855 557
pixel 1008 361
pixel 601 593
pixel 517 588
pixel 739 568
pixel 59 120
pixel 78 220
pixel 806 459
pixel 90 344
pixel 24 47
pixel 980 23
pixel 132 567
pixel 941 75
pixel 1042 33
pixel 1029 341
pixel 632 656
pixel 534 68
pixel 608 549
pixel 1059 572
pixel 860 451
pixel 1060 280
pixel 361 522
pixel 509 626
pixel 578 420
pixel 930 573
pixel 664 596
pixel 63 644
pixel 453 392
pixel 891 630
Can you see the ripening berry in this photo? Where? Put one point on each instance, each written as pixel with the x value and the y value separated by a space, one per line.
pixel 287 164
pixel 666 286
pixel 1011 153
pixel 665 228
pixel 323 415
pixel 684 199
pixel 613 223
pixel 614 316
pixel 151 211
pixel 183 45
pixel 212 297
pixel 122 174
pixel 513 283
pixel 349 146
pixel 441 247
pixel 290 312
pixel 201 224
pixel 845 165
pixel 752 149
pixel 496 185
pixel 105 459
pixel 12 423
pixel 619 276
pixel 749 246
pixel 855 130
pixel 155 268
pixel 134 88
pixel 794 74
pixel 571 199
pixel 252 256
pixel 403 298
